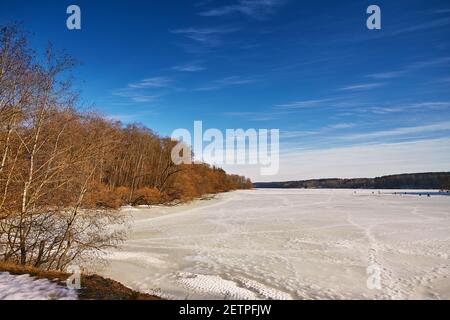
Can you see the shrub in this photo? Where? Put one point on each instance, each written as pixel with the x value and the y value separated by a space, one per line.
pixel 147 196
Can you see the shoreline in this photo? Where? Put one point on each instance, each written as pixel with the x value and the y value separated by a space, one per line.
pixel 93 286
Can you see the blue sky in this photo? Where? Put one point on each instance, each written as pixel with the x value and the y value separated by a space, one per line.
pixel 349 102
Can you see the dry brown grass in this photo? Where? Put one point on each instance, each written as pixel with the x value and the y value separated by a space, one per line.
pixel 93 287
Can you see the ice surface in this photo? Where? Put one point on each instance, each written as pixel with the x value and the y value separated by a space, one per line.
pixel 24 287
pixel 290 244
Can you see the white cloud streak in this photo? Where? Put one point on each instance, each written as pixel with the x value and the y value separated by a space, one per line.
pixel 257 9
pixel 410 68
pixel 303 104
pixel 435 127
pixel 134 95
pixel 362 86
pixel 227 82
pixel 189 67
pixel 155 82
pixel 207 36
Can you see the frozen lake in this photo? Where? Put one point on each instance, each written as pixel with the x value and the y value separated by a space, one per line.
pixel 290 244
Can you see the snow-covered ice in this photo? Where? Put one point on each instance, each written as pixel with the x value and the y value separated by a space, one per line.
pixel 25 287
pixel 290 244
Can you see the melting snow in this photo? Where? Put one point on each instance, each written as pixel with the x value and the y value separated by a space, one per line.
pixel 24 287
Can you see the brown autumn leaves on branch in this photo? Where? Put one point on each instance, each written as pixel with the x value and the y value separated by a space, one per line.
pixel 63 172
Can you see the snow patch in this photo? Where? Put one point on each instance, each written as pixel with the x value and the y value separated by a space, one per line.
pixel 215 286
pixel 25 287
pixel 265 291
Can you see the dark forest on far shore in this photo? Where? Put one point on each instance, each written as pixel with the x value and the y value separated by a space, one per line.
pixel 431 180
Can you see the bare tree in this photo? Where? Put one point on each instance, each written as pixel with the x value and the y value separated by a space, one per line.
pixel 62 170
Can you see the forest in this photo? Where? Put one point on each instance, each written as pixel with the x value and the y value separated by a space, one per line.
pixel 63 171
pixel 431 180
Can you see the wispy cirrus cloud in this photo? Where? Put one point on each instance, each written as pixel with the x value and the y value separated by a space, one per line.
pixel 429 63
pixel 362 86
pixel 227 82
pixel 211 36
pixel 342 125
pixel 299 133
pixel 304 104
pixel 387 75
pixel 252 116
pixel 416 66
pixel 194 66
pixel 402 28
pixel 431 105
pixel 356 106
pixel 135 96
pixel 384 110
pixel 155 82
pixel 408 131
pixel 143 90
pixel 257 9
pixel 422 26
pixel 418 106
pixel 316 132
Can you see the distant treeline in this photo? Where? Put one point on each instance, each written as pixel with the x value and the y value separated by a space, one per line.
pixel 434 180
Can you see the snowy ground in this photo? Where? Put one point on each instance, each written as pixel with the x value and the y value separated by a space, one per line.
pixel 24 287
pixel 290 244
